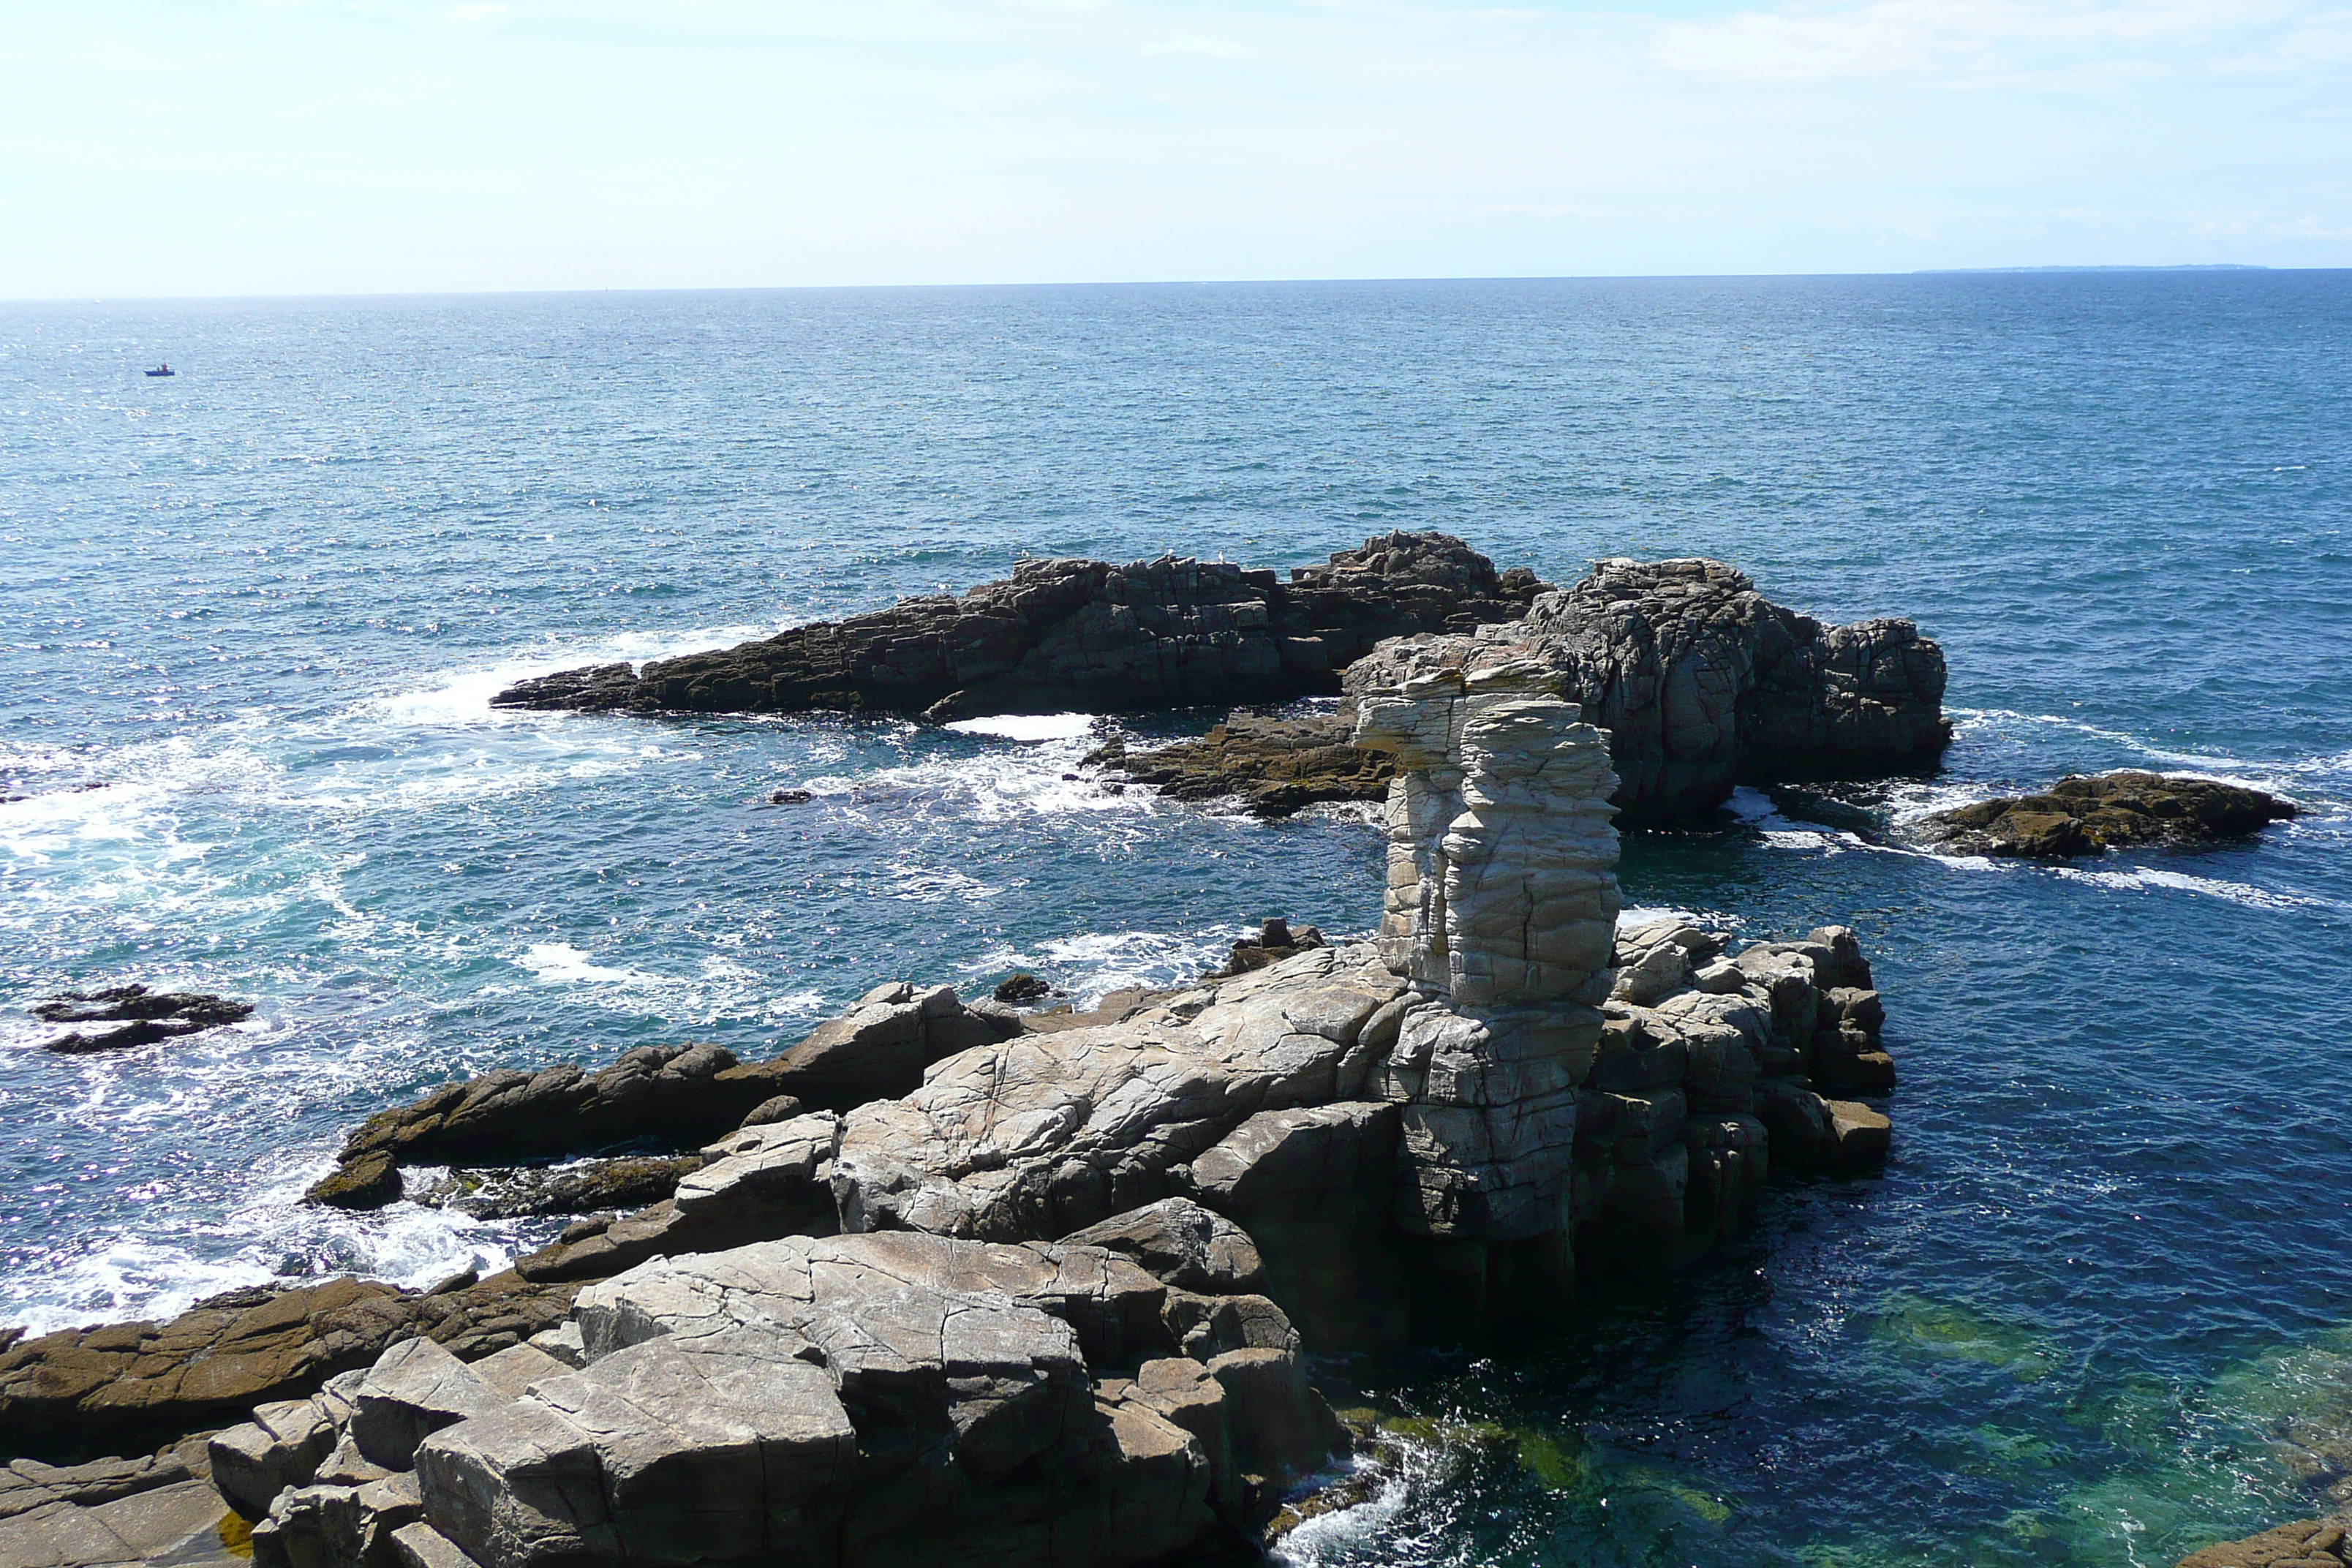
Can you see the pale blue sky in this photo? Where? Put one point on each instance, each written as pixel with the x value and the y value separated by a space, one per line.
pixel 177 147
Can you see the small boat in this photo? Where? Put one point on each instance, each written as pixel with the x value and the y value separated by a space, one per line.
pixel 164 369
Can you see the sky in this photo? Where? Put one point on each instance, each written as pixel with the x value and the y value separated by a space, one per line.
pixel 190 147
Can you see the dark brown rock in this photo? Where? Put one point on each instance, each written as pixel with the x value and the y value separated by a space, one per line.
pixel 1273 942
pixel 131 1385
pixel 1078 633
pixel 1022 987
pixel 141 1017
pixel 2080 815
pixel 1274 764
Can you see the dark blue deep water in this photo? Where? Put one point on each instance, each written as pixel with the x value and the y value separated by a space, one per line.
pixel 250 616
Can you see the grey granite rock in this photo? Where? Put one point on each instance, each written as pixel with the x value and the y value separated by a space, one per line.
pixel 1703 683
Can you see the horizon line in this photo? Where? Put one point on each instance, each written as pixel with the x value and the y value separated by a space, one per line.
pixel 2025 270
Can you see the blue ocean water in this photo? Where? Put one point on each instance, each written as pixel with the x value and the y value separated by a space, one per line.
pixel 250 619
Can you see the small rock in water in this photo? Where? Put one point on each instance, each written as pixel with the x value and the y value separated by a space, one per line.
pixel 1273 942
pixel 2080 815
pixel 144 1016
pixel 789 797
pixel 1022 987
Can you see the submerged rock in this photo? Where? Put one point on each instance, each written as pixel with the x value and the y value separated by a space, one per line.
pixel 2311 1543
pixel 2080 815
pixel 1078 635
pixel 141 1017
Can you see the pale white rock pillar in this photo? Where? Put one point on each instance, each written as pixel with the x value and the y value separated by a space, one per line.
pixel 1501 910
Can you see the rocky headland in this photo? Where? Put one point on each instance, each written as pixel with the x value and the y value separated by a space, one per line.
pixel 1081 635
pixel 1701 683
pixel 952 1284
pixel 2083 815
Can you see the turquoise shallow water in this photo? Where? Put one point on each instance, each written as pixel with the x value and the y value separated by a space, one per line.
pixel 250 619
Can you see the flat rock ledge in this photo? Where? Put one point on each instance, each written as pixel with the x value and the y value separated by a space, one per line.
pixel 68 1396
pixel 2311 1543
pixel 1085 635
pixel 2083 815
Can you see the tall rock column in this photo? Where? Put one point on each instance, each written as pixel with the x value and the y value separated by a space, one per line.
pixel 1501 911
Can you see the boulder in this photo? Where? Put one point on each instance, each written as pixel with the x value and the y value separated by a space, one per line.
pixel 2080 815
pixel 884 1398
pixel 415 1389
pixel 1181 1243
pixel 1077 634
pixel 283 1446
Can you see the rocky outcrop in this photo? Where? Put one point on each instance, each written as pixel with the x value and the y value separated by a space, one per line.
pixel 1703 683
pixel 884 1399
pixel 2079 816
pixel 2312 1543
pixel 1273 765
pixel 678 1095
pixel 141 1017
pixel 79 1392
pixel 851 1337
pixel 1473 1086
pixel 1078 635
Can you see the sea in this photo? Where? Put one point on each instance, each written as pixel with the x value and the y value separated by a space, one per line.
pixel 251 617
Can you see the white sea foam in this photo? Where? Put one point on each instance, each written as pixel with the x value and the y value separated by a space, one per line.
pixel 2150 879
pixel 561 964
pixel 2271 774
pixel 463 696
pixel 1755 809
pixel 1029 726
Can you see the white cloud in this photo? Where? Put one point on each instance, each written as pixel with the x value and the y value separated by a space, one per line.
pixel 479 12
pixel 2009 42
